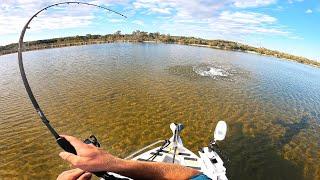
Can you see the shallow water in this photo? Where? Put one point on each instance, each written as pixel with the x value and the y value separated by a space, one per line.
pixel 128 94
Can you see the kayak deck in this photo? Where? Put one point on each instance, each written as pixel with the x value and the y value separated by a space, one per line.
pixel 209 162
pixel 183 157
pixel 173 151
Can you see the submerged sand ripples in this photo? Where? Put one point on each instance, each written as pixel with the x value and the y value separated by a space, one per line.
pixel 128 97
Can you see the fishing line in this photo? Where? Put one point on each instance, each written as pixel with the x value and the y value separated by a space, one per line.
pixel 63 143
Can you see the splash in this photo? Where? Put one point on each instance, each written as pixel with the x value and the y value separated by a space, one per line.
pixel 210 71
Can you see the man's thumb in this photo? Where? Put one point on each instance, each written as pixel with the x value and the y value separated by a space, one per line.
pixel 71 158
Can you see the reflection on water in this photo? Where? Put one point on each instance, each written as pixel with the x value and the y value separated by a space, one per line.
pixel 128 94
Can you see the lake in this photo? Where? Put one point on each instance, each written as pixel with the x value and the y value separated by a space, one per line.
pixel 127 94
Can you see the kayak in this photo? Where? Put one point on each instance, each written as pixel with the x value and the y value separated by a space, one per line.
pixel 173 151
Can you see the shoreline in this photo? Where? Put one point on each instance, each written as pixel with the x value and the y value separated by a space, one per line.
pixel 71 44
pixel 253 52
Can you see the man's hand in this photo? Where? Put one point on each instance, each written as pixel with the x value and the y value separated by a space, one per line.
pixel 92 159
pixel 74 174
pixel 89 158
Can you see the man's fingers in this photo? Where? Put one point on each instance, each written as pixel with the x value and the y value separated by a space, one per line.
pixel 73 141
pixel 76 171
pixel 71 158
pixel 70 174
pixel 85 176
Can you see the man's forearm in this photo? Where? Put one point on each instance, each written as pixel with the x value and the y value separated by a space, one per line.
pixel 92 159
pixel 152 170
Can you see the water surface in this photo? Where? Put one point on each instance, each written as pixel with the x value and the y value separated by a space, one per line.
pixel 128 94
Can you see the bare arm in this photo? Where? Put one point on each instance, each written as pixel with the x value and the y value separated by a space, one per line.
pixel 154 170
pixel 93 159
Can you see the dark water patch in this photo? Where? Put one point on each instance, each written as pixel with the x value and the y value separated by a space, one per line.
pixel 292 129
pixel 255 157
pixel 316 116
pixel 184 71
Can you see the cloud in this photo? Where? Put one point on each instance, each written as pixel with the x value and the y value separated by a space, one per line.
pixel 252 3
pixel 226 19
pixel 42 23
pixel 292 1
pixel 161 10
pixel 217 18
pixel 182 8
pixel 14 14
pixel 229 25
pixel 138 22
pixel 223 19
pixel 153 7
pixel 308 11
pixel 247 17
pixel 116 20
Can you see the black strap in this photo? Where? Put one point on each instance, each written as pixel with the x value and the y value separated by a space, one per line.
pixel 164 145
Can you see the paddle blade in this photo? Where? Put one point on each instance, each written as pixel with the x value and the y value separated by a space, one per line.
pixel 220 131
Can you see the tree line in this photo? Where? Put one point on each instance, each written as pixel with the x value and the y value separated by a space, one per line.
pixel 141 36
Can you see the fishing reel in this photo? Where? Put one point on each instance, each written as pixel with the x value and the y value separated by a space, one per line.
pixel 66 145
pixel 104 175
pixel 92 140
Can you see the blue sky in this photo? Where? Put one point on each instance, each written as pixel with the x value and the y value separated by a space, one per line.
pixel 292 26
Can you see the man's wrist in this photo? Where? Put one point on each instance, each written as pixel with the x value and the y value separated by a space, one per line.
pixel 123 167
pixel 116 165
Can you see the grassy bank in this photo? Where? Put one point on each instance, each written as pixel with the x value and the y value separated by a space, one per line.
pixel 140 36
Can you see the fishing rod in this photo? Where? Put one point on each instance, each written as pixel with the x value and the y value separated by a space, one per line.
pixel 62 142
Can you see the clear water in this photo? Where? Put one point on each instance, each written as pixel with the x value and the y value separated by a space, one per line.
pixel 128 94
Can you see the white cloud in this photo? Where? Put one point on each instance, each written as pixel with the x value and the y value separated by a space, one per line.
pixel 214 19
pixel 183 8
pixel 116 20
pixel 41 23
pixel 194 17
pixel 308 11
pixel 14 14
pixel 161 10
pixel 253 3
pixel 247 23
pixel 247 17
pixel 292 1
pixel 138 22
pixel 153 6
pixel 236 26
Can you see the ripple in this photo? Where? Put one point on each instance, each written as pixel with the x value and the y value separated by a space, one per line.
pixel 130 100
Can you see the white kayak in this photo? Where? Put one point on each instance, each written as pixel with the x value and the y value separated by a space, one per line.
pixel 172 151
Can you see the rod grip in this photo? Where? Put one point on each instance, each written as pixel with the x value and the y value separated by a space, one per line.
pixel 65 145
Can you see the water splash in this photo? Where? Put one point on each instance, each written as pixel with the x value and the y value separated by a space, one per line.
pixel 210 71
pixel 206 71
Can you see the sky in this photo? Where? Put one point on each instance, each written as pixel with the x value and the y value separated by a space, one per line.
pixel 291 26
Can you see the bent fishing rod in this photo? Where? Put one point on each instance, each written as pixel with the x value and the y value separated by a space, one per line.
pixel 62 142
